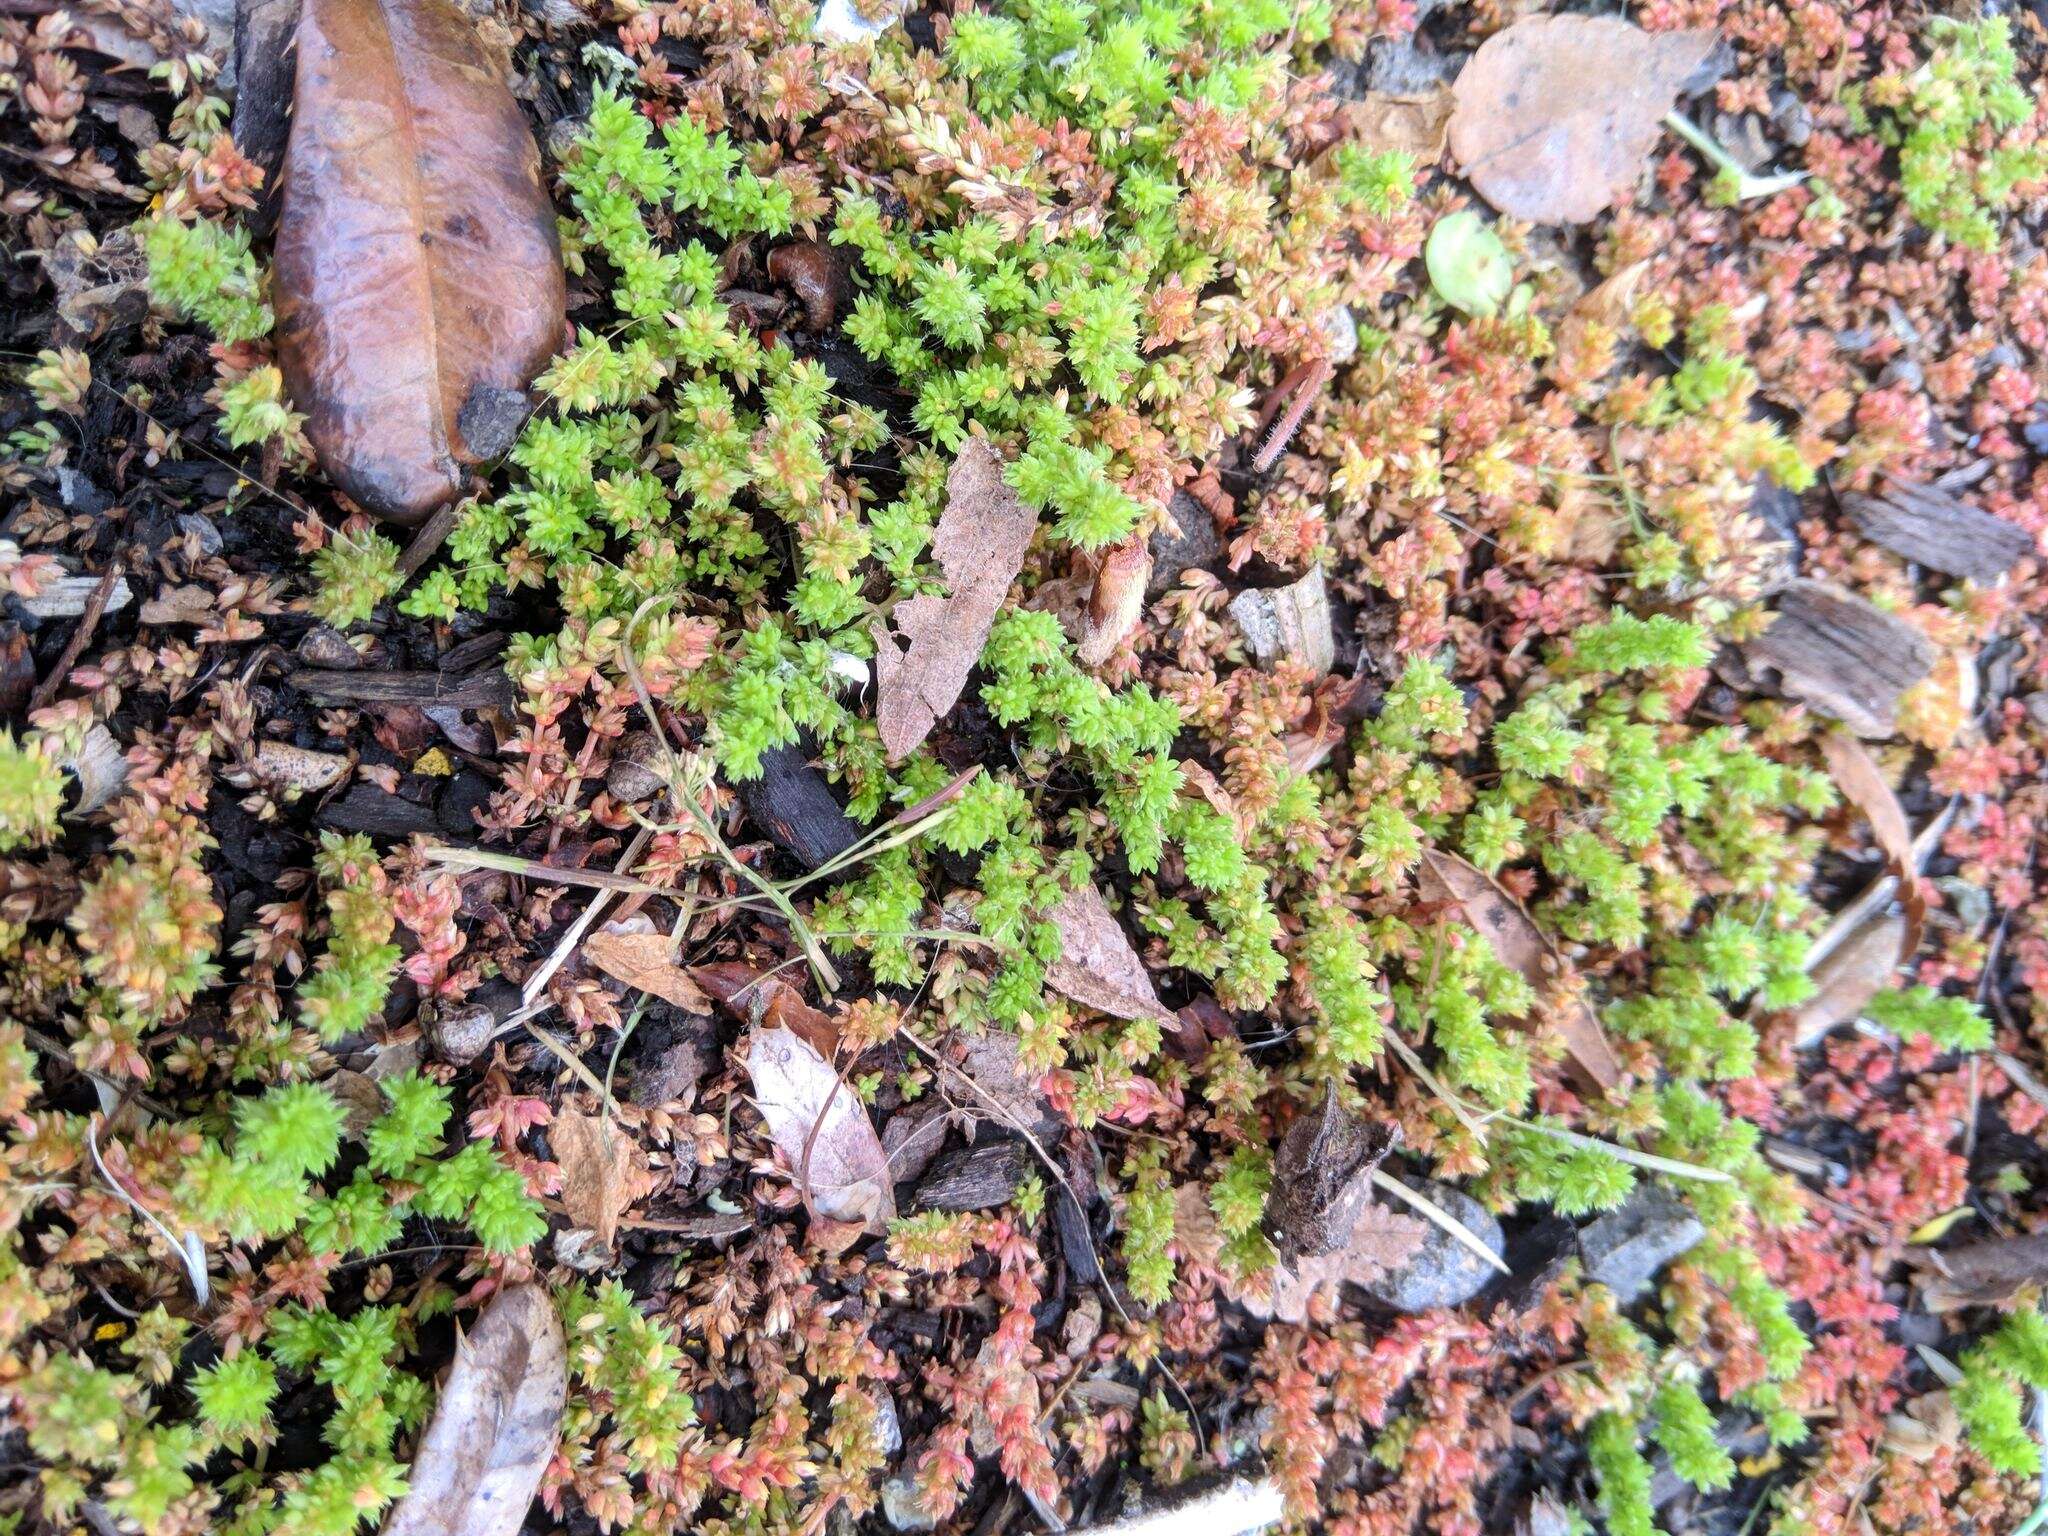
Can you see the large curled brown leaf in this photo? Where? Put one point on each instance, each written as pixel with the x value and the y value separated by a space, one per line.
pixel 1557 113
pixel 1520 944
pixel 930 644
pixel 822 1129
pixel 417 261
pixel 495 1426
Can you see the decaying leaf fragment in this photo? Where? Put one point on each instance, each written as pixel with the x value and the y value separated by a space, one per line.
pixel 495 1426
pixel 604 1170
pixel 1499 918
pixel 1322 1178
pixel 930 644
pixel 641 959
pixel 417 257
pixel 1097 966
pixel 1557 113
pixel 1863 785
pixel 1414 122
pixel 822 1130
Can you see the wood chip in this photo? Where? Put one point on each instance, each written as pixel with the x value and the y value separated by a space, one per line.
pixel 1290 622
pixel 925 652
pixel 1521 946
pixel 1940 531
pixel 1842 655
pixel 1097 966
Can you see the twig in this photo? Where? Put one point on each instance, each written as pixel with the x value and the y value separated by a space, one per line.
pixel 88 621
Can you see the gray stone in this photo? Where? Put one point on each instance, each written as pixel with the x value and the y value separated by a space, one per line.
pixel 900 1505
pixel 490 419
pixel 1193 544
pixel 1627 1248
pixel 1443 1272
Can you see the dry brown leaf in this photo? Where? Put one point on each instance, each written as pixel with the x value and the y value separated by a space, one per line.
pixel 642 960
pixel 1115 601
pixel 604 1170
pixel 1097 966
pixel 1416 123
pixel 1382 1240
pixel 495 1425
pixel 1556 114
pixel 930 644
pixel 763 998
pixel 1862 966
pixel 1863 785
pixel 1985 1274
pixel 1520 944
pixel 418 267
pixel 821 1128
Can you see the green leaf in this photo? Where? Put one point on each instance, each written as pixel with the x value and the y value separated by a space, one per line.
pixel 1468 266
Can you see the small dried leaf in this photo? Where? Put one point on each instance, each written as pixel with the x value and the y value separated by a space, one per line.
pixel 930 644
pixel 1097 966
pixel 1863 785
pixel 1414 122
pixel 1115 601
pixel 495 1425
pixel 1985 1274
pixel 822 1130
pixel 604 1170
pixel 417 257
pixel 1499 918
pixel 760 998
pixel 642 960
pixel 1854 972
pixel 1557 113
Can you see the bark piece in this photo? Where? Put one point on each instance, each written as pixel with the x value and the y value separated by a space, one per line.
pixel 366 808
pixel 495 1424
pixel 417 257
pixel 1290 622
pixel 1097 966
pixel 792 803
pixel 1556 114
pixel 1521 945
pixel 822 1130
pixel 1322 1179
pixel 485 688
pixel 1985 1274
pixel 974 1178
pixel 265 63
pixel 930 644
pixel 1940 531
pixel 1847 658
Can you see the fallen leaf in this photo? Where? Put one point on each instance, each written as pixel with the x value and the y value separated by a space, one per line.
pixel 821 1128
pixel 1985 1274
pixel 1555 114
pixel 1097 966
pixel 604 1170
pixel 1863 785
pixel 495 1425
pixel 1322 1177
pixel 641 959
pixel 1520 944
pixel 1414 122
pixel 188 604
pixel 1854 972
pixel 1115 601
pixel 930 644
pixel 762 998
pixel 417 257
